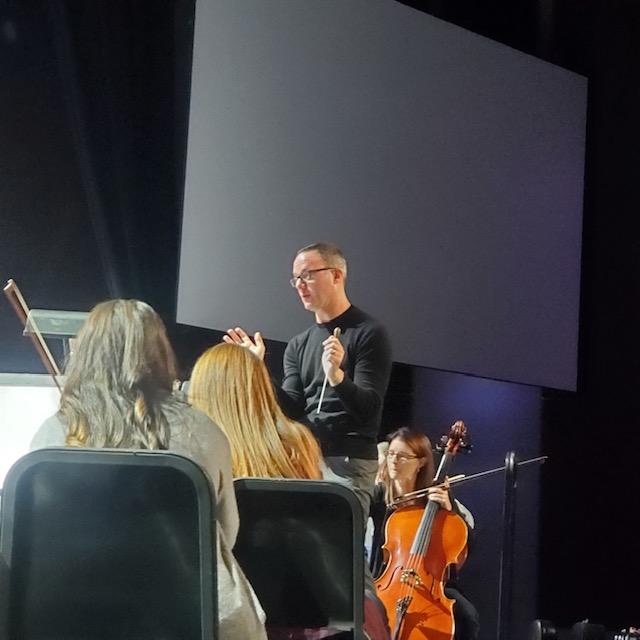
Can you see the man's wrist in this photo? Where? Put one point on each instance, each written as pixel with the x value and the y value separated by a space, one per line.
pixel 336 379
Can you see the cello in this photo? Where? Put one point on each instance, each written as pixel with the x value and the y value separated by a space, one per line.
pixel 420 543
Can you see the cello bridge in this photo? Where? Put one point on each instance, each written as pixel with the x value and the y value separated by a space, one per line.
pixel 410 576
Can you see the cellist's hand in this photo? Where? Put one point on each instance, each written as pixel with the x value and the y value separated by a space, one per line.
pixel 441 496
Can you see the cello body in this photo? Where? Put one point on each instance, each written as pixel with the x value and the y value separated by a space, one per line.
pixel 420 577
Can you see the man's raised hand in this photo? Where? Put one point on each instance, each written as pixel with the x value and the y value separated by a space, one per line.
pixel 240 337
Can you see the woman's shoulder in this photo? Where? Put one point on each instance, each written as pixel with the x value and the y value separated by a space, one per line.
pixel 193 429
pixel 194 435
pixel 51 433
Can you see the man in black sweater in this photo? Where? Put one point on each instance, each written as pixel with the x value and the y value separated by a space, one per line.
pixel 356 365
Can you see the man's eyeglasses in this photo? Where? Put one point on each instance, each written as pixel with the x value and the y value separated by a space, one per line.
pixel 401 457
pixel 307 275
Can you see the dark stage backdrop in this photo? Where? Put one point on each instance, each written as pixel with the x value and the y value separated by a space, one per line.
pixel 92 150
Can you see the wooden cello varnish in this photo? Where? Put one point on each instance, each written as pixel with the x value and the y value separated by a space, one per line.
pixel 420 543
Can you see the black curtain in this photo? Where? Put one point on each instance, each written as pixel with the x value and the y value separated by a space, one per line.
pixel 125 72
pixel 92 148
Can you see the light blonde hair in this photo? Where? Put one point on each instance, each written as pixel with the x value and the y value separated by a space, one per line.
pixel 232 386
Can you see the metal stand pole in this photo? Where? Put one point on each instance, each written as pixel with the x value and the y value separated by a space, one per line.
pixel 508 537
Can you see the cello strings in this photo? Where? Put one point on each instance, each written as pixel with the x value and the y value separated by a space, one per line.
pixel 417 553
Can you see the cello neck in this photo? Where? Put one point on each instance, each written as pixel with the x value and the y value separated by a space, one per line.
pixel 443 468
pixel 422 538
pixel 423 534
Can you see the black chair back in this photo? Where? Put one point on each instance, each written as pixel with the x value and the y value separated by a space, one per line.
pixel 301 546
pixel 104 544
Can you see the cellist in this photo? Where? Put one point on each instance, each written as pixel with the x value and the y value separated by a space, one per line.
pixel 409 466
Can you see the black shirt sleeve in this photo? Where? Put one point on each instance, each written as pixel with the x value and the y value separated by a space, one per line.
pixel 363 395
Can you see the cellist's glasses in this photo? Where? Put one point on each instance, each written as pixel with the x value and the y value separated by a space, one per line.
pixel 401 457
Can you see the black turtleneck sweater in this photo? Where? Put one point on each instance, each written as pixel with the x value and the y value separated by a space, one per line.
pixel 349 419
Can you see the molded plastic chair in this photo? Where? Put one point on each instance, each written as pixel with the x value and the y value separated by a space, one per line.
pixel 107 544
pixel 301 546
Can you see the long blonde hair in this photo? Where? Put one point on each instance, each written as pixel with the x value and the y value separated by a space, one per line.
pixel 119 379
pixel 232 386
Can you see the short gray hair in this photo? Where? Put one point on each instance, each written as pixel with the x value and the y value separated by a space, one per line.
pixel 330 252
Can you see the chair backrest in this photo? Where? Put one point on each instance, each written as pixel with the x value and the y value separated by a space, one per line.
pixel 108 544
pixel 301 545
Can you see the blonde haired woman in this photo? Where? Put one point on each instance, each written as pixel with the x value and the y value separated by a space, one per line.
pixel 232 386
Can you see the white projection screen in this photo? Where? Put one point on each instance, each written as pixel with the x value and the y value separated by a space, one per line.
pixel 448 167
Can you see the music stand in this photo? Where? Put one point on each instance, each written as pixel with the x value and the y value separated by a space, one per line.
pixel 61 325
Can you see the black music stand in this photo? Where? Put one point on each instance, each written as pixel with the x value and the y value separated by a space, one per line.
pixel 60 325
